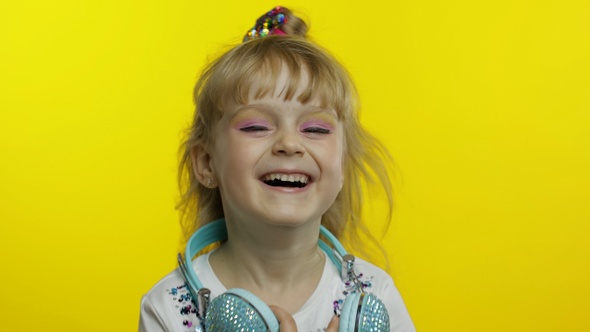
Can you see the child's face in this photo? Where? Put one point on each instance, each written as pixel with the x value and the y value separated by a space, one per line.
pixel 278 161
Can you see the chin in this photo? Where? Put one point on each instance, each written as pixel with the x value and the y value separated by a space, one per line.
pixel 292 220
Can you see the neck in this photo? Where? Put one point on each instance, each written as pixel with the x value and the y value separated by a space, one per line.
pixel 272 262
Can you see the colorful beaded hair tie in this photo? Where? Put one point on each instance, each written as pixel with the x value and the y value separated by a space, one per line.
pixel 268 24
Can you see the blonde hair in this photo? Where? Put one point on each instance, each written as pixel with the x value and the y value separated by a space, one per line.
pixel 231 76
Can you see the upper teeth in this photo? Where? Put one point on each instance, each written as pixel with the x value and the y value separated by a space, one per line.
pixel 286 177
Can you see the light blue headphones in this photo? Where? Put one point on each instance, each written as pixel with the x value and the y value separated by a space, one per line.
pixel 239 310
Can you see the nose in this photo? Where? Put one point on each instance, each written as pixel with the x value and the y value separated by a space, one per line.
pixel 288 143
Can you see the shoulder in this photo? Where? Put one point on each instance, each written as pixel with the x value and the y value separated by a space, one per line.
pixel 169 286
pixel 167 306
pixel 378 282
pixel 375 279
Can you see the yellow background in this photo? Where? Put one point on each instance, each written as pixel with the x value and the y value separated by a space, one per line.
pixel 484 105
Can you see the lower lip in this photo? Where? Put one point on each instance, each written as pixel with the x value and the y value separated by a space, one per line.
pixel 287 189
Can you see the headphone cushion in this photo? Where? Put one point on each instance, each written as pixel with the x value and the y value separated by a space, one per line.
pixel 348 312
pixel 364 313
pixel 238 308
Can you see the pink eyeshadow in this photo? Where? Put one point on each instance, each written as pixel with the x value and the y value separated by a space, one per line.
pixel 321 124
pixel 249 123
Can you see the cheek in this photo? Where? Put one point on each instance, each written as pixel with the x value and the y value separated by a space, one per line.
pixel 234 156
pixel 340 149
pixel 341 157
pixel 333 156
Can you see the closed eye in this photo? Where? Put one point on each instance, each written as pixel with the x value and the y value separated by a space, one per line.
pixel 316 130
pixel 250 129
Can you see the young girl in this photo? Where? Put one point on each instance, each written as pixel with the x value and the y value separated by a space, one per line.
pixel 275 150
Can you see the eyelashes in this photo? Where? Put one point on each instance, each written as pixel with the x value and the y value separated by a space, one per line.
pixel 253 128
pixel 310 130
pixel 314 128
pixel 317 127
pixel 317 130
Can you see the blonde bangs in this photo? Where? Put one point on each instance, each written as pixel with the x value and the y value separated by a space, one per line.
pixel 257 65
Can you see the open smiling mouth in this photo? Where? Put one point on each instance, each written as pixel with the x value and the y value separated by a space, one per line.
pixel 286 180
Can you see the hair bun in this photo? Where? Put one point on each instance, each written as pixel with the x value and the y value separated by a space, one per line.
pixel 278 21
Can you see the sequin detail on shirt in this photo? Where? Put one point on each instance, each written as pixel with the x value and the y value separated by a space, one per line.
pixel 367 282
pixel 181 298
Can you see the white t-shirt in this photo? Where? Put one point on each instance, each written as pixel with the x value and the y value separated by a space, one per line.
pixel 167 306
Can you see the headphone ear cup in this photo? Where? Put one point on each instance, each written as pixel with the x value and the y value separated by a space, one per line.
pixel 238 309
pixel 348 312
pixel 364 312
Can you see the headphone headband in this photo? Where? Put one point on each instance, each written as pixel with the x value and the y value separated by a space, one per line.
pixel 216 231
